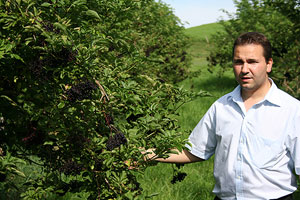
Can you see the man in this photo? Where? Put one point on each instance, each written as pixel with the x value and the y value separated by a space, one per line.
pixel 254 131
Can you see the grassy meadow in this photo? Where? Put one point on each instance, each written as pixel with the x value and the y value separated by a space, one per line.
pixel 199 181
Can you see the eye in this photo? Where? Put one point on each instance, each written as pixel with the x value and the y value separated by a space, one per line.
pixel 252 61
pixel 238 62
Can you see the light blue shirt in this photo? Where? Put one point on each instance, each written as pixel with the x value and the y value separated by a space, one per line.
pixel 255 151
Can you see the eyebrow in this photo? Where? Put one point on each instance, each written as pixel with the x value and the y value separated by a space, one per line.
pixel 251 60
pixel 238 60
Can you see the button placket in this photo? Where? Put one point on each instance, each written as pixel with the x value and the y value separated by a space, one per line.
pixel 239 164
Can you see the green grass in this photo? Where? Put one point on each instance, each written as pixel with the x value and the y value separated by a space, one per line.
pixel 203 32
pixel 199 181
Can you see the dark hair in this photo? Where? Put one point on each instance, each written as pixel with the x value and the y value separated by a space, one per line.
pixel 254 38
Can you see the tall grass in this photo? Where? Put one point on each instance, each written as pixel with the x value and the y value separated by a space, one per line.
pixel 199 182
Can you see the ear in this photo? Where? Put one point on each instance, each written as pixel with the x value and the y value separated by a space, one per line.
pixel 269 65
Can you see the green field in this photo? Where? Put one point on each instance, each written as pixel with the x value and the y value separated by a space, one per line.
pixel 199 181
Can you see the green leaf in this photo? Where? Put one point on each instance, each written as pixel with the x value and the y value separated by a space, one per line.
pixel 46 4
pixel 61 105
pixel 60 26
pixel 9 99
pixel 92 13
pixel 48 143
pixel 16 57
pixel 17 172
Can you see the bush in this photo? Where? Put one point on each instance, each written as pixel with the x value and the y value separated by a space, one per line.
pixel 83 85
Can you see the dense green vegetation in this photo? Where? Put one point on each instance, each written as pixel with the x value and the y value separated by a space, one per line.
pixel 84 84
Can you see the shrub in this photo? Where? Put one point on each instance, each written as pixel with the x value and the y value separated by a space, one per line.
pixel 83 85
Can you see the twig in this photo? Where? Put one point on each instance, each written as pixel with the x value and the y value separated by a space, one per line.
pixel 102 91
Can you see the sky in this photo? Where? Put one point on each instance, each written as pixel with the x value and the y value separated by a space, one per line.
pixel 198 12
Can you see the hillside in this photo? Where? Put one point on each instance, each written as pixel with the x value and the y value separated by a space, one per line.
pixel 203 32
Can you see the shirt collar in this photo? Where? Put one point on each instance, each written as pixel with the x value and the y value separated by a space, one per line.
pixel 272 96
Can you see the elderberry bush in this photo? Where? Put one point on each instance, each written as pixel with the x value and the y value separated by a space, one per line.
pixel 81 91
pixel 116 141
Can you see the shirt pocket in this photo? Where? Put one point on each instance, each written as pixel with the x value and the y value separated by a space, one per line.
pixel 263 152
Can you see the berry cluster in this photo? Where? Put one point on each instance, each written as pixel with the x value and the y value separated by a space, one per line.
pixel 42 68
pixel 81 91
pixel 98 165
pixel 34 136
pixel 78 140
pixel 178 177
pixel 116 141
pixel 64 56
pixel 179 165
pixel 71 168
pixel 37 69
pixel 49 27
pixel 2 177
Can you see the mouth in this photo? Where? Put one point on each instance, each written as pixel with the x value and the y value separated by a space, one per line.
pixel 245 79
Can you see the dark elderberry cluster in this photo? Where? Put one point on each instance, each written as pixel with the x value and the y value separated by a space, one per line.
pixel 42 68
pixel 178 177
pixel 98 164
pixel 37 69
pixel 48 26
pixel 78 140
pixel 81 91
pixel 71 168
pixel 64 56
pixel 116 141
pixel 2 177
pixel 34 136
pixel 73 185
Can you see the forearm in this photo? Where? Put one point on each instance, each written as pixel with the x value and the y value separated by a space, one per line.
pixel 179 157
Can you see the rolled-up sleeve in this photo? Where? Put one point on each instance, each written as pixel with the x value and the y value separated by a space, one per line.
pixel 203 138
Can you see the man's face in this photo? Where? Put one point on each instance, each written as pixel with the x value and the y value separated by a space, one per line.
pixel 250 67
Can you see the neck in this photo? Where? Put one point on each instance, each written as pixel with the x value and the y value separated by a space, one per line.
pixel 256 94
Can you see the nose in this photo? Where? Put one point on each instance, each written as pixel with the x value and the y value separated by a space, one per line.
pixel 245 68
